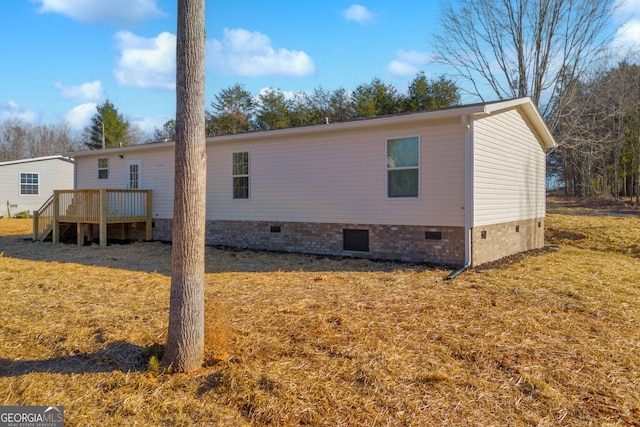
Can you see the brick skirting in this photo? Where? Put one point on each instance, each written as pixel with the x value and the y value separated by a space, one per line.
pixel 410 243
pixel 438 245
pixel 497 241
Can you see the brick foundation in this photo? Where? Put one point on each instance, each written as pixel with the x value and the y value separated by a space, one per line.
pixel 411 243
pixel 497 241
pixel 438 245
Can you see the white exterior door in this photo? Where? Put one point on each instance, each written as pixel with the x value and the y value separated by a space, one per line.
pixel 134 174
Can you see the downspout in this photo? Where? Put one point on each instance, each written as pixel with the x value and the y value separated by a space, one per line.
pixel 467 122
pixel 75 174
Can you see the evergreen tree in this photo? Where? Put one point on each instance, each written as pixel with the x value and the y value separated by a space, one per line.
pixel 424 94
pixel 233 110
pixel 376 99
pixel 107 125
pixel 273 110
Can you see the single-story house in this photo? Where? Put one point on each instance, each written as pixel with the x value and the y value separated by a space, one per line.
pixel 458 186
pixel 26 184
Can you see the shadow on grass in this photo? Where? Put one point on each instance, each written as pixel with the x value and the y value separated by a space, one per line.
pixel 117 356
pixel 155 257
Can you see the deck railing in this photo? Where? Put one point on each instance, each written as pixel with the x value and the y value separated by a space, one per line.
pixel 92 206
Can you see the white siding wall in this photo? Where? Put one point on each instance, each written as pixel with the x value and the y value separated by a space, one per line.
pixel 157 173
pixel 54 174
pixel 330 177
pixel 340 178
pixel 509 170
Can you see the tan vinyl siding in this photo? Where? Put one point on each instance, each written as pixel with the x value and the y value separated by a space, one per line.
pixel 330 177
pixel 157 173
pixel 53 174
pixel 509 170
pixel 340 178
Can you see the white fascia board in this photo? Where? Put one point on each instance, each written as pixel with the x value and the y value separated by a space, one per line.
pixel 37 159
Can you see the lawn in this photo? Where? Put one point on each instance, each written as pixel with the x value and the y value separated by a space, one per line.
pixel 548 338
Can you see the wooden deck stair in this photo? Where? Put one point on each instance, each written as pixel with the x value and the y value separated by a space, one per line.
pixel 99 207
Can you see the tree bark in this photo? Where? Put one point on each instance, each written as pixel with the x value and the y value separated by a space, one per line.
pixel 184 350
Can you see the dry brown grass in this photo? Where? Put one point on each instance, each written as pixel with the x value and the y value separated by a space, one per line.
pixel 547 338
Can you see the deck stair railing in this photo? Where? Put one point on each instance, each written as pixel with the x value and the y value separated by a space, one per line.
pixel 92 206
pixel 43 220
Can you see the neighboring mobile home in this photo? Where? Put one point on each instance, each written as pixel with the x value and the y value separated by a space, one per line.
pixel 26 184
pixel 463 185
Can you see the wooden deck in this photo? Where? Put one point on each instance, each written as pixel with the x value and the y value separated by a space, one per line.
pixel 92 206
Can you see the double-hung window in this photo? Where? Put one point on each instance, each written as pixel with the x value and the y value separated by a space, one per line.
pixel 241 175
pixel 29 184
pixel 103 168
pixel 403 167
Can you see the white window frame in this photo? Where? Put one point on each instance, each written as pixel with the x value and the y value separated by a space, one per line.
pixel 31 184
pixel 100 169
pixel 388 168
pixel 234 176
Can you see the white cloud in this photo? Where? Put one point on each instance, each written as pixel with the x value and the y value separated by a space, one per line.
pixel 13 111
pixel 249 53
pixel 360 14
pixel 626 41
pixel 148 124
pixel 124 13
pixel 148 63
pixel 626 10
pixel 90 91
pixel 401 69
pixel 80 116
pixel 408 63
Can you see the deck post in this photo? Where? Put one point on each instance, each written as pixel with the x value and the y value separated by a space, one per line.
pixel 149 230
pixel 103 217
pixel 80 233
pixel 55 224
pixel 36 217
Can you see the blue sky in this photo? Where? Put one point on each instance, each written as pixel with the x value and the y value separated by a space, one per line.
pixel 63 57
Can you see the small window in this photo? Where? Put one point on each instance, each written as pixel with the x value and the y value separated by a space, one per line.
pixel 403 156
pixel 241 175
pixel 276 229
pixel 29 184
pixel 517 228
pixel 103 168
pixel 483 234
pixel 433 235
pixel 355 240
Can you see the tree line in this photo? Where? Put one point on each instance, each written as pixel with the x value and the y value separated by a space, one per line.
pixel 19 140
pixel 233 110
pixel 236 110
pixel 599 130
pixel 108 127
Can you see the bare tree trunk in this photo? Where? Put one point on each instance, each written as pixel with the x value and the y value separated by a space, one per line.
pixel 616 171
pixel 638 168
pixel 184 349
